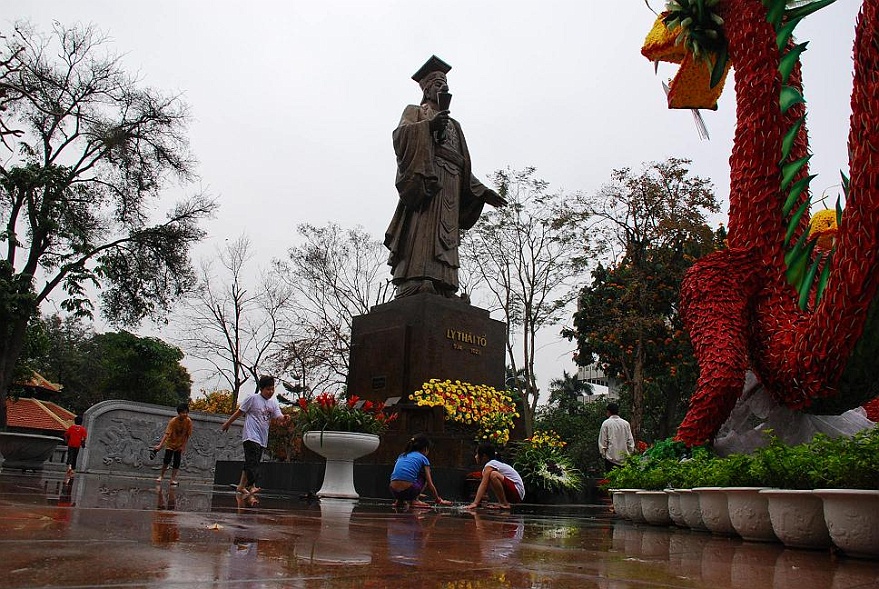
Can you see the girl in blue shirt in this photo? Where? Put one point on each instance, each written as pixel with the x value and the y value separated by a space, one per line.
pixel 412 475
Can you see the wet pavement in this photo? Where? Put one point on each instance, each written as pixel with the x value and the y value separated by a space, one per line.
pixel 105 531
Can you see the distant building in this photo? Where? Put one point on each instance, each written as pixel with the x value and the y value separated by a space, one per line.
pixel 595 376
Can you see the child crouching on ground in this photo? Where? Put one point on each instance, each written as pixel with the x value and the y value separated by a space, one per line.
pixel 500 477
pixel 412 475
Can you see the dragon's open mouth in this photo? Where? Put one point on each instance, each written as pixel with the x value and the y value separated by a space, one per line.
pixel 691 87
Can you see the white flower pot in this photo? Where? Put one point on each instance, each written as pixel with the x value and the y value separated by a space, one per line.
pixel 340 449
pixel 852 517
pixel 715 510
pixel 633 505
pixel 749 513
pixel 619 503
pixel 654 507
pixel 674 508
pixel 690 509
pixel 797 518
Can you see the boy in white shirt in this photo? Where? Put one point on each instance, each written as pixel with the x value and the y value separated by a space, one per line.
pixel 259 411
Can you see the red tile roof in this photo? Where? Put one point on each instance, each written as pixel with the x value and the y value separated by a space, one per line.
pixel 38 381
pixel 35 414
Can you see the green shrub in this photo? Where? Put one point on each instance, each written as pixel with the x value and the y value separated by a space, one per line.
pixel 844 462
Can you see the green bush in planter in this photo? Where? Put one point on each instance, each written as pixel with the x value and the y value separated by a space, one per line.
pixel 790 467
pixel 847 463
pixel 659 467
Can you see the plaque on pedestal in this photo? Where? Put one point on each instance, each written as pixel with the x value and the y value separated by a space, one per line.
pixel 400 345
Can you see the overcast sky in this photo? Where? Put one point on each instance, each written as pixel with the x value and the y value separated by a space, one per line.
pixel 293 102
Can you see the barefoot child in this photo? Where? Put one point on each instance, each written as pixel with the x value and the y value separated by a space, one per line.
pixel 176 435
pixel 412 474
pixel 503 480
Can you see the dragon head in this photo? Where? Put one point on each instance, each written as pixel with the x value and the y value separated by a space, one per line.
pixel 689 33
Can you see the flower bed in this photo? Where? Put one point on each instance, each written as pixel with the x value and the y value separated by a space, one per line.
pixel 491 411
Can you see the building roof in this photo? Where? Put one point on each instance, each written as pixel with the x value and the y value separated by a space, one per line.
pixel 35 414
pixel 38 381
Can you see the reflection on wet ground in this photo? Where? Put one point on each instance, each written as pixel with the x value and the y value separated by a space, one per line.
pixel 101 531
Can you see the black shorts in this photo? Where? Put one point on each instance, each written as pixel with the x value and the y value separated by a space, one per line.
pixel 170 455
pixel 72 455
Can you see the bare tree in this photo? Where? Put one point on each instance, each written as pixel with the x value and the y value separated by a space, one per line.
pixel 336 274
pixel 528 255
pixel 8 92
pixel 75 190
pixel 234 328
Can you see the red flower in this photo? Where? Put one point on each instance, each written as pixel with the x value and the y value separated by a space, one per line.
pixel 353 401
pixel 303 403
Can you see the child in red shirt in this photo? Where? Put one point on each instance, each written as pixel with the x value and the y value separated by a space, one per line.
pixel 75 438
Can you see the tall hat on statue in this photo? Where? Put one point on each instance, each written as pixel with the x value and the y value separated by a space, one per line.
pixel 432 68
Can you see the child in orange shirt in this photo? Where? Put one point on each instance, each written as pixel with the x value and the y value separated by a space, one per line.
pixel 176 435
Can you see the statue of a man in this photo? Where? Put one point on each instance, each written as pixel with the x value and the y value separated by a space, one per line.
pixel 439 196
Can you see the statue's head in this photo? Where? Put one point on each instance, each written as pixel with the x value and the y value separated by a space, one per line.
pixel 432 78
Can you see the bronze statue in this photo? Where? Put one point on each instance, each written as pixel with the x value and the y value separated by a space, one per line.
pixel 439 196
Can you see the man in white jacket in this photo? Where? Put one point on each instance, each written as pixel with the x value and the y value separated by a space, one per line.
pixel 615 441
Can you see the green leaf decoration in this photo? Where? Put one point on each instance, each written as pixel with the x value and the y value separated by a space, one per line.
pixel 796 270
pixel 789 60
pixel 838 212
pixel 795 221
pixel 794 195
pixel 774 12
pixel 806 285
pixel 788 142
pixel 807 9
pixel 823 279
pixel 845 182
pixel 790 96
pixel 719 65
pixel 797 250
pixel 789 171
pixel 786 32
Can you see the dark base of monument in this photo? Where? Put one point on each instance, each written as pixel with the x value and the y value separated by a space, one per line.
pixel 398 346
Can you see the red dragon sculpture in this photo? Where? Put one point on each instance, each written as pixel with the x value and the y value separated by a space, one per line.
pixel 804 321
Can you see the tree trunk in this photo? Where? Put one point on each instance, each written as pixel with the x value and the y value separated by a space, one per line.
pixel 638 391
pixel 10 350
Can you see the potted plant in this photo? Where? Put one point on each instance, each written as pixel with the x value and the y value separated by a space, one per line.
pixel 545 467
pixel 340 430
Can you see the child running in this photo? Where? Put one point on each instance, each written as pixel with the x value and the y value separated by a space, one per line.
pixel 504 481
pixel 75 438
pixel 176 435
pixel 412 474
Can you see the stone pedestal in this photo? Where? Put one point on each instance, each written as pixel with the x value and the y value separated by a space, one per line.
pixel 400 345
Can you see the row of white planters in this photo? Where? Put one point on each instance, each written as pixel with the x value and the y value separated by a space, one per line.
pixel 848 518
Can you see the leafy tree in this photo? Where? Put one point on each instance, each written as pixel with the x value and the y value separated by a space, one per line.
pixel 146 369
pixel 565 392
pixel 653 226
pixel 235 328
pixel 577 424
pixel 335 275
pixel 214 402
pixel 94 149
pixel 62 347
pixel 527 255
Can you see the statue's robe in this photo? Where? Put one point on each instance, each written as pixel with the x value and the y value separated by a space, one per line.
pixel 439 197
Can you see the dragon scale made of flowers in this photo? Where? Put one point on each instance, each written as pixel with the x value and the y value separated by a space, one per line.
pixel 801 316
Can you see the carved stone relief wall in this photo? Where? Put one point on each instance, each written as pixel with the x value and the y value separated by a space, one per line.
pixel 121 433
